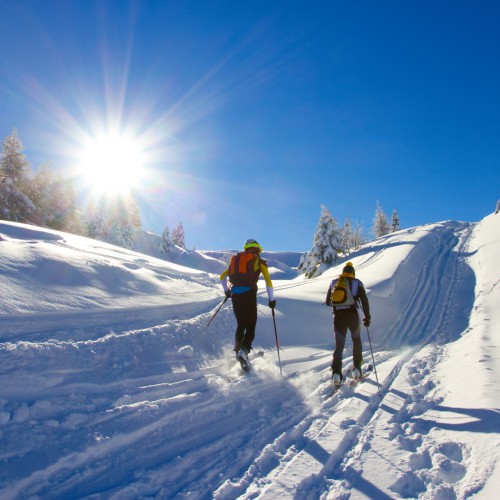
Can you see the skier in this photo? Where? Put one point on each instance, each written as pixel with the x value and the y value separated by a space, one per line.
pixel 243 273
pixel 345 316
pixel 498 207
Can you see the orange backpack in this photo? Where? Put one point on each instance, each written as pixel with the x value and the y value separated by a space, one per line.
pixel 243 269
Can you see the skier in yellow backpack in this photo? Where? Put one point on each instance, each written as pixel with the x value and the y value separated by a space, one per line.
pixel 344 294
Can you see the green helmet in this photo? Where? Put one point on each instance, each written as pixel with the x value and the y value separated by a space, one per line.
pixel 252 244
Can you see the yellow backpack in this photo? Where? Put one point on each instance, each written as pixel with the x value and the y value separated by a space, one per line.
pixel 342 295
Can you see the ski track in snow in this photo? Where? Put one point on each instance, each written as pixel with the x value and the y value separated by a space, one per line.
pixel 324 451
pixel 206 430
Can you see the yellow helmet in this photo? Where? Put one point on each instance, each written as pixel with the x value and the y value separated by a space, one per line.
pixel 252 244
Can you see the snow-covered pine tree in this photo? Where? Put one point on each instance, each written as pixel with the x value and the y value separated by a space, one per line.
pixel 124 219
pixel 352 236
pixel 115 220
pixel 178 236
pixel 303 263
pixel 381 224
pixel 395 221
pixel 95 220
pixel 75 223
pixel 327 243
pixel 39 194
pixel 15 204
pixel 357 237
pixel 122 234
pixel 347 236
pixel 165 241
pixel 54 198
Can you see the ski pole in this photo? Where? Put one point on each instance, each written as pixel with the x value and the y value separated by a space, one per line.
pixel 373 360
pixel 216 312
pixel 277 343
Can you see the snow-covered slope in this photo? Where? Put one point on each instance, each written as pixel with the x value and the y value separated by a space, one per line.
pixel 282 265
pixel 113 386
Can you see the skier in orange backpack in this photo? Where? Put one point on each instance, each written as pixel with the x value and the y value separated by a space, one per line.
pixel 243 273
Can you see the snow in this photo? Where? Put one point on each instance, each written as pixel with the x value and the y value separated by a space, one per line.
pixel 112 385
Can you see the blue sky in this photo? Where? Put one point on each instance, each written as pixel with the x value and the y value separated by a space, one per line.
pixel 253 114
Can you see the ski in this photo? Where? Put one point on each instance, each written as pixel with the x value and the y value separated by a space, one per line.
pixel 345 376
pixel 366 373
pixel 348 381
pixel 245 363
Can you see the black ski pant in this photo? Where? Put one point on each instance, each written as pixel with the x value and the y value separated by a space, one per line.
pixel 343 320
pixel 245 310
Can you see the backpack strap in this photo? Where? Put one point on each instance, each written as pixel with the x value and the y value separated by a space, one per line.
pixel 355 286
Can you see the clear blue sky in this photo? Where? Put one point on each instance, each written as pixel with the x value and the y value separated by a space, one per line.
pixel 253 114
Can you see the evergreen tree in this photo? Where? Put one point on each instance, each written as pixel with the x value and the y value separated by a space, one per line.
pixel 178 236
pixel 347 236
pixel 395 221
pixel 76 223
pixel 54 198
pixel 351 236
pixel 38 194
pixel 114 220
pixel 15 204
pixel 381 224
pixel 357 237
pixel 95 220
pixel 327 243
pixel 123 220
pixel 165 241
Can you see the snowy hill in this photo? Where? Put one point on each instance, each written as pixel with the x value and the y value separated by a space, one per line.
pixel 112 385
pixel 282 265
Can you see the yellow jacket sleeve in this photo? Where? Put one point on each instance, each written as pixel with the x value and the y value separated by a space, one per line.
pixel 223 279
pixel 267 279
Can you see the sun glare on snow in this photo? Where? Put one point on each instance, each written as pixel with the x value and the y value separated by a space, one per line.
pixel 111 164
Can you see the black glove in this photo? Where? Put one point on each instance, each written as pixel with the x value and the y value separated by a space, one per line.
pixel 367 322
pixel 272 304
pixel 228 294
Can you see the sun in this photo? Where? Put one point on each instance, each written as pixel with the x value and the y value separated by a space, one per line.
pixel 111 163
